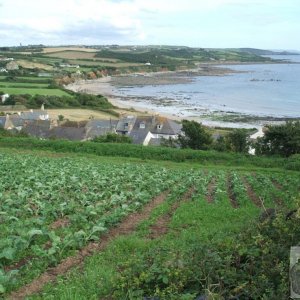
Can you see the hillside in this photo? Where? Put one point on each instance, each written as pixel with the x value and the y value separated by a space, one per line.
pixel 94 227
pixel 266 52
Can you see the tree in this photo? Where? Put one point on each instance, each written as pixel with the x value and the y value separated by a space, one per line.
pixel 220 144
pixel 281 140
pixel 61 118
pixel 195 136
pixel 237 141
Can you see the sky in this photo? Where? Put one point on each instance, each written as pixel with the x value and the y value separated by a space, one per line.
pixel 265 24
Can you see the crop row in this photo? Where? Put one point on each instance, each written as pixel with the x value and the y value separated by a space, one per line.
pixel 51 207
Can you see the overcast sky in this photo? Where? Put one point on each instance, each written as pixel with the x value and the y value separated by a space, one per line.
pixel 268 24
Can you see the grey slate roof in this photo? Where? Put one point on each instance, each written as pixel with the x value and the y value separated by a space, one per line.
pixel 67 133
pixel 168 127
pixel 125 124
pixel 2 121
pixel 35 115
pixel 16 120
pixel 40 129
pixel 140 130
pixel 96 128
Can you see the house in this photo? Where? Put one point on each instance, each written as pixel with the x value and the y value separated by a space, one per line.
pixel 35 115
pixel 13 122
pixel 165 128
pixel 141 130
pixel 95 128
pixel 4 97
pixel 68 133
pixel 2 121
pixel 152 129
pixel 125 124
pixel 38 128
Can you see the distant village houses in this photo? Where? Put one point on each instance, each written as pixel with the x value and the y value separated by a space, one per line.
pixel 143 130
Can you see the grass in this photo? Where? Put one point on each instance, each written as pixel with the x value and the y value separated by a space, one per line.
pixel 35 91
pixel 33 65
pixel 79 114
pixel 153 153
pixel 23 85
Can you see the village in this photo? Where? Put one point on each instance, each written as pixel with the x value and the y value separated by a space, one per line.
pixel 143 130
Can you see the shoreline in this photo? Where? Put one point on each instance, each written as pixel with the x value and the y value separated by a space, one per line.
pixel 108 87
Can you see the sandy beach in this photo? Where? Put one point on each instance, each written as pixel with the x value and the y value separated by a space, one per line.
pixel 108 86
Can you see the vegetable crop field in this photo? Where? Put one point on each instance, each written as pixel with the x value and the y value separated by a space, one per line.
pixel 74 227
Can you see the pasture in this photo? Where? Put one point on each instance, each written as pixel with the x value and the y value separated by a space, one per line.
pixel 33 91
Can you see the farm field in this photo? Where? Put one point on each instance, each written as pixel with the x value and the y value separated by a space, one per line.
pixel 60 49
pixel 79 114
pixel 32 65
pixel 23 85
pixel 62 213
pixel 78 55
pixel 33 91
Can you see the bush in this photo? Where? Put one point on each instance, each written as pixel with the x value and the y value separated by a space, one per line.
pixel 113 138
pixel 153 153
pixel 253 265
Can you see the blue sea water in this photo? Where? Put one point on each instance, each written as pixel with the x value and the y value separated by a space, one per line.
pixel 262 89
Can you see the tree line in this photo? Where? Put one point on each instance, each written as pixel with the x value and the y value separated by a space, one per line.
pixel 281 140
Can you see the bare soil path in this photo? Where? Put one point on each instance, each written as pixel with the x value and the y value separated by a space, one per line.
pixel 251 194
pixel 231 194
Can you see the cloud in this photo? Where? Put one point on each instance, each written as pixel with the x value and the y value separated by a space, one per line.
pixel 140 21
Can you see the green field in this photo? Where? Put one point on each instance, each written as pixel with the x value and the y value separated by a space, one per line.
pixel 115 228
pixel 34 91
pixel 23 85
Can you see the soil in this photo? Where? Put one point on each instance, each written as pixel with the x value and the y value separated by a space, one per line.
pixel 63 222
pixel 211 190
pixel 18 264
pixel 251 194
pixel 127 226
pixel 277 184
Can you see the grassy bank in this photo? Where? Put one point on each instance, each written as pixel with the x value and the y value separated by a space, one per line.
pixel 153 153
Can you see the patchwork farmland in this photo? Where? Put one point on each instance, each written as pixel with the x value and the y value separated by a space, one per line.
pixel 59 214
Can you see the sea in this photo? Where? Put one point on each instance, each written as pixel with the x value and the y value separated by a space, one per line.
pixel 268 90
